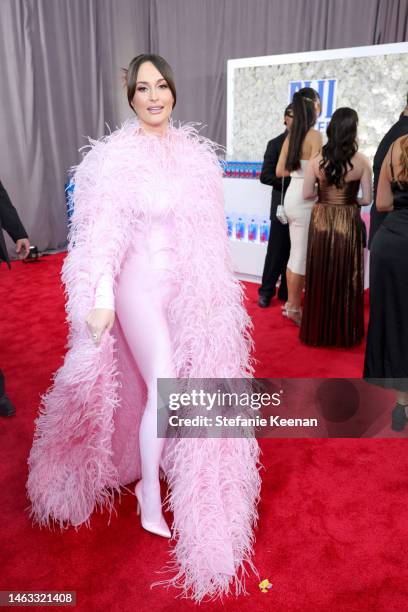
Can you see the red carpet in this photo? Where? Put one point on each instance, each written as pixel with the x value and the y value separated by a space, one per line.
pixel 333 528
pixel 280 354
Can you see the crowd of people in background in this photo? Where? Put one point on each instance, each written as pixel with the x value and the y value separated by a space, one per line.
pixel 321 238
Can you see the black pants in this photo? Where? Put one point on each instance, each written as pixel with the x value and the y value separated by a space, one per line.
pixel 276 260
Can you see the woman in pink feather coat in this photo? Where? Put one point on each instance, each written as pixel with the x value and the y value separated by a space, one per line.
pixel 150 294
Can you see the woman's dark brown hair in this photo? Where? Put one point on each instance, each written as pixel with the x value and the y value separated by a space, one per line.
pixel 341 145
pixel 304 117
pixel 132 70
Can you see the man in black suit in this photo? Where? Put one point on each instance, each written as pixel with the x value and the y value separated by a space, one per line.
pixel 277 253
pixel 398 129
pixel 10 221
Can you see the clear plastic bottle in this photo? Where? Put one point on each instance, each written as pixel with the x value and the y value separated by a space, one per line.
pixel 230 227
pixel 264 232
pixel 240 229
pixel 252 231
pixel 69 197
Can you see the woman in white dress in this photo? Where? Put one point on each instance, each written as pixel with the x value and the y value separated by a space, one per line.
pixel 303 143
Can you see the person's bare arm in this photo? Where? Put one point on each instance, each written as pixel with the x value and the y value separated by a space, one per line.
pixel 281 166
pixel 385 198
pixel 309 182
pixel 366 183
pixel 316 143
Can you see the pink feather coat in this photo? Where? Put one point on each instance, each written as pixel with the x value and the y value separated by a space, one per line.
pixel 86 439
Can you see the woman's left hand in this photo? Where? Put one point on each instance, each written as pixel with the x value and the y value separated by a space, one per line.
pixel 100 320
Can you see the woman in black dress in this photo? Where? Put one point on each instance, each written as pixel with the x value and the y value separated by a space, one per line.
pixel 386 359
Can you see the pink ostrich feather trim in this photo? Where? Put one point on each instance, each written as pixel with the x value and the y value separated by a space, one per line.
pixel 86 438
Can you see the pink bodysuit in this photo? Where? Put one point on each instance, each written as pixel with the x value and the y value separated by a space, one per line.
pixel 144 290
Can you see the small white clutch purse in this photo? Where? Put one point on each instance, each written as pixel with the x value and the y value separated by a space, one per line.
pixel 280 211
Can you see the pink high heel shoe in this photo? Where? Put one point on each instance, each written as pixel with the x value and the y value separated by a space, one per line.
pixel 159 528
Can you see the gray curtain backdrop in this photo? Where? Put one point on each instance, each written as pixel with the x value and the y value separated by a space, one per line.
pixel 61 60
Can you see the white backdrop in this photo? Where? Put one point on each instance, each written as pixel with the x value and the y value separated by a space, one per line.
pixel 373 80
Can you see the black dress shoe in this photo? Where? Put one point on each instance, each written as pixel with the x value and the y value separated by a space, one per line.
pixel 264 301
pixel 6 407
pixel 398 418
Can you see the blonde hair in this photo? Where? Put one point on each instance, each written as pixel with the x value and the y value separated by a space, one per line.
pixel 403 173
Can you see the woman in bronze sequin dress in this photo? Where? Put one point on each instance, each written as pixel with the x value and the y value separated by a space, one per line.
pixel 333 313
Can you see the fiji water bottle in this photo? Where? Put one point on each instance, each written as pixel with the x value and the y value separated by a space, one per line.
pixel 230 226
pixel 240 229
pixel 252 231
pixel 264 232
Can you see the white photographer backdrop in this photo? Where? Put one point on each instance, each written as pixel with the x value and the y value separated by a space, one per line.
pixel 372 79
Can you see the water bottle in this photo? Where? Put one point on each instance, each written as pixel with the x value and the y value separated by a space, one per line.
pixel 230 227
pixel 69 197
pixel 252 231
pixel 264 232
pixel 240 229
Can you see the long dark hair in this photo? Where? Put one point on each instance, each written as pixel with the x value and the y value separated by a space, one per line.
pixel 341 145
pixel 304 117
pixel 130 74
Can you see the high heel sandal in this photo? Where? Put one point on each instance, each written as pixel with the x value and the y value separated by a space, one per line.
pixel 159 528
pixel 295 315
pixel 284 309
